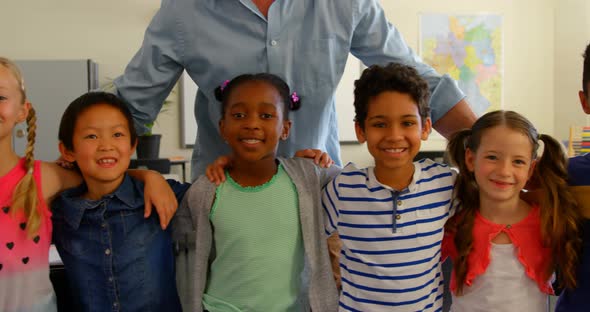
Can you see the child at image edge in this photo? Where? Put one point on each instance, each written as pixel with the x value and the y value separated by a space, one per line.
pixel 578 299
pixel 115 258
pixel 28 186
pixel 390 217
pixel 259 239
pixel 504 249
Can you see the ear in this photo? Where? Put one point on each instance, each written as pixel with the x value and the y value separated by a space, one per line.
pixel 584 102
pixel 286 129
pixel 360 133
pixel 134 146
pixel 24 112
pixel 221 125
pixel 532 168
pixel 469 160
pixel 426 128
pixel 66 153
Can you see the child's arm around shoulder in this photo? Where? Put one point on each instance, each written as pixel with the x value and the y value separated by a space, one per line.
pixel 55 179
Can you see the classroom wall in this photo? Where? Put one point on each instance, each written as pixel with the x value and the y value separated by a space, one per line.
pixel 110 32
pixel 107 31
pixel 528 52
pixel 572 34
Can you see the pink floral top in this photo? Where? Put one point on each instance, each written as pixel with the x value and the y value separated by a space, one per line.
pixel 24 261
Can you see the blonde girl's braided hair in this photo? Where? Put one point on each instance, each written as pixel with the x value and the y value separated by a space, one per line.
pixel 25 196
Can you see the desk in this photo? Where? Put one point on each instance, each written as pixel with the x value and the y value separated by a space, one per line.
pixel 174 161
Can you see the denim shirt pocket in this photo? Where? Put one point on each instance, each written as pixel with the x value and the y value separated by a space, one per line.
pixel 75 242
pixel 138 230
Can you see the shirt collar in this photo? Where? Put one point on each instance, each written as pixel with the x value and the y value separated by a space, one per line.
pixel 412 187
pixel 129 194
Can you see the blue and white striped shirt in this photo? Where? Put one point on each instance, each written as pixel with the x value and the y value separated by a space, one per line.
pixel 391 240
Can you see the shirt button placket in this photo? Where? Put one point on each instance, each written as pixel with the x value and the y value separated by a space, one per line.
pixel 395 215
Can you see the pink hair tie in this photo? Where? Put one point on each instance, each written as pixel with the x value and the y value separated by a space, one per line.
pixel 224 84
pixel 294 97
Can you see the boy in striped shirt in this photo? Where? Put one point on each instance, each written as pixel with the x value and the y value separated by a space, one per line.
pixel 390 217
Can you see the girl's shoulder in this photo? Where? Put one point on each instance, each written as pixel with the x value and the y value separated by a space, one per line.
pixel 304 170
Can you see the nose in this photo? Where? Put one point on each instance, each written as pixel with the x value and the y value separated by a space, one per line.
pixel 504 168
pixel 252 122
pixel 105 144
pixel 394 133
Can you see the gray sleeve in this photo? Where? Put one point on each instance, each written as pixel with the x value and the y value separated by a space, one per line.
pixel 183 223
pixel 376 41
pixel 328 174
pixel 153 71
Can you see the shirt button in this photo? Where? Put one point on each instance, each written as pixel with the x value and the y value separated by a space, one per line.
pixel 399 202
pixel 115 304
pixel 110 279
pixel 508 226
pixel 398 216
pixel 103 225
pixel 107 251
pixel 273 43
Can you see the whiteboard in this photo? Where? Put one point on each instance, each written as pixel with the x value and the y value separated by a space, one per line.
pixel 188 127
pixel 344 98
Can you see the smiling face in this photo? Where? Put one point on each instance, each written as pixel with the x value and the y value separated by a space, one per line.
pixel 254 121
pixel 502 164
pixel 393 132
pixel 102 147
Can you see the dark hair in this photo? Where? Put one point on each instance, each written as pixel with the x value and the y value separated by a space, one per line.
pixel 391 77
pixel 83 103
pixel 586 72
pixel 559 214
pixel 290 101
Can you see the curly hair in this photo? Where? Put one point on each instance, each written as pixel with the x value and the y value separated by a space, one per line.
pixel 559 214
pixel 391 77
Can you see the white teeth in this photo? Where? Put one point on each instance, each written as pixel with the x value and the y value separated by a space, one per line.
pixel 394 150
pixel 106 161
pixel 251 141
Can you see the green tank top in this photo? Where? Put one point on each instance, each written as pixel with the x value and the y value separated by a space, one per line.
pixel 258 247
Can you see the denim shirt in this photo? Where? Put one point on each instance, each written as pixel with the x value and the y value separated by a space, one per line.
pixel 306 42
pixel 115 259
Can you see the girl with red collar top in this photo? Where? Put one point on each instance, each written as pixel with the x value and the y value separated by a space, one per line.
pixel 505 249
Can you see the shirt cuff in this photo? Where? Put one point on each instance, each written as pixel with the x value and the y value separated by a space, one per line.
pixel 446 95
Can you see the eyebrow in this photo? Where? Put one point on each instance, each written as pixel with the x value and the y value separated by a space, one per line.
pixel 113 127
pixel 496 152
pixel 385 117
pixel 243 103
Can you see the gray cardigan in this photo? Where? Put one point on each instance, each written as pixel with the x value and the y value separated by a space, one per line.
pixel 319 293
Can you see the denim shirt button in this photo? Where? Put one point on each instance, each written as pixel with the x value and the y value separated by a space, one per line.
pixel 107 252
pixel 110 279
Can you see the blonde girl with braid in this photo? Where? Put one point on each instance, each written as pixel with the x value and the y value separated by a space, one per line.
pixel 505 249
pixel 26 188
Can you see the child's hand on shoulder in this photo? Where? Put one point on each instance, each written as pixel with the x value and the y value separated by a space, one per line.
pixel 319 157
pixel 216 171
pixel 159 194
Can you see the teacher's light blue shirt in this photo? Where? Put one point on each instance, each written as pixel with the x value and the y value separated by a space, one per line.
pixel 306 42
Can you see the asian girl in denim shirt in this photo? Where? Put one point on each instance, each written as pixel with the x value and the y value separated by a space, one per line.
pixel 115 259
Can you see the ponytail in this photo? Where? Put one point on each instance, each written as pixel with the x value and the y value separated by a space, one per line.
pixel 26 192
pixel 559 212
pixel 461 224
